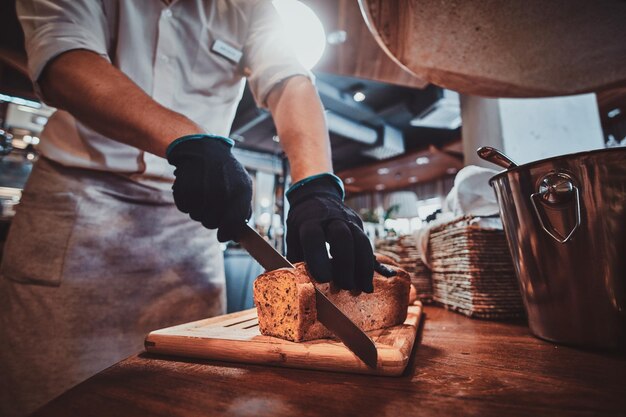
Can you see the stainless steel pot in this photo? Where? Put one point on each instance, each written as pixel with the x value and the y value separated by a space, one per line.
pixel 565 222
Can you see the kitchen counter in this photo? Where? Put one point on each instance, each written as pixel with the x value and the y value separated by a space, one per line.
pixel 460 367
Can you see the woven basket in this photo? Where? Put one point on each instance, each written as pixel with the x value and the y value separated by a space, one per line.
pixel 472 271
pixel 404 251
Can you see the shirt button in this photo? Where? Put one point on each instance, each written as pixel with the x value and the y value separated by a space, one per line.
pixel 164 58
pixel 167 13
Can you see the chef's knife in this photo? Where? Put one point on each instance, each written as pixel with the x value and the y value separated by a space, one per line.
pixel 327 313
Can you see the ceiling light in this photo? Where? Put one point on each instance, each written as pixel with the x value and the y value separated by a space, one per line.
pixel 380 187
pixel 422 160
pixel 358 96
pixel 356 91
pixel 614 112
pixel 383 171
pixel 412 179
pixel 303 31
pixel 349 180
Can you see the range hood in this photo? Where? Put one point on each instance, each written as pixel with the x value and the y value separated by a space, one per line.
pixel 390 144
pixel 379 143
pixel 444 113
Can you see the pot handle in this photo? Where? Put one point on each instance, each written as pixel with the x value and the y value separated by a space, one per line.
pixel 556 189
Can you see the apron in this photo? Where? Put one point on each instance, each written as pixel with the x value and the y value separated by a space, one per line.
pixel 93 262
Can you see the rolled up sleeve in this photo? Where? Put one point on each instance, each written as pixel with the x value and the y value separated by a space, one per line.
pixel 52 27
pixel 268 58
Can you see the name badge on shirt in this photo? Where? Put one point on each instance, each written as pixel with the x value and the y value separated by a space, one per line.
pixel 227 51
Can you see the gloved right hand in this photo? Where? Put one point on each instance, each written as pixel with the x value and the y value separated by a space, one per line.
pixel 210 184
pixel 318 215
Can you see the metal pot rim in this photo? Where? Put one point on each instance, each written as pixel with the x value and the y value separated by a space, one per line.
pixel 553 159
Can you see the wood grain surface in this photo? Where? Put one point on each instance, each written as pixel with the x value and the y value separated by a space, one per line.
pixel 236 338
pixel 403 169
pixel 461 367
pixel 359 55
pixel 494 48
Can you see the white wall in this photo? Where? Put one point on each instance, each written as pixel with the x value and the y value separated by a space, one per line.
pixel 535 129
pixel 530 129
pixel 480 127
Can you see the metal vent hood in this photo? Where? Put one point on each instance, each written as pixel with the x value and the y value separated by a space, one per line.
pixel 380 142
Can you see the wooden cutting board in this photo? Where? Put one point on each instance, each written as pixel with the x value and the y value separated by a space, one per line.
pixel 235 338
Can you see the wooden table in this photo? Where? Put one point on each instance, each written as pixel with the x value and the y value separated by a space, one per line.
pixel 461 367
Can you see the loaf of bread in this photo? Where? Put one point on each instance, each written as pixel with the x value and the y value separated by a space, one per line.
pixel 285 302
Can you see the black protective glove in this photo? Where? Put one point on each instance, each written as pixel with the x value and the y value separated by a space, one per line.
pixel 211 185
pixel 318 215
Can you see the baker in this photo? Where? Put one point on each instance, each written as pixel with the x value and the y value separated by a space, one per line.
pixel 99 254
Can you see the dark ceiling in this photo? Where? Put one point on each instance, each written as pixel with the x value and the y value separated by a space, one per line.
pixel 384 104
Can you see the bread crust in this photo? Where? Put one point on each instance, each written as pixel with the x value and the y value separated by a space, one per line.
pixel 285 300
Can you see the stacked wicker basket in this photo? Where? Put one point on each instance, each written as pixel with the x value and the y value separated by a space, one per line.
pixel 404 251
pixel 472 271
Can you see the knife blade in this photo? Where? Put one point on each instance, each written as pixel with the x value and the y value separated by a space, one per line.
pixel 327 313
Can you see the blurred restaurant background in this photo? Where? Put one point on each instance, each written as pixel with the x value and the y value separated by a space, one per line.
pixel 398 142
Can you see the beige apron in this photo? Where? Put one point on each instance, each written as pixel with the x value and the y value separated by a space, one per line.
pixel 92 263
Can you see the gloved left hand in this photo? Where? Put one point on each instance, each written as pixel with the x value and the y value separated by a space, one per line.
pixel 211 185
pixel 318 215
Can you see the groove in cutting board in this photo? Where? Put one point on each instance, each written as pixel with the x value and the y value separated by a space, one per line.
pixel 240 323
pixel 236 338
pixel 254 324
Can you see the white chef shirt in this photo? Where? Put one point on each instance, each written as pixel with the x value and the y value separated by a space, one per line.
pixel 167 49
